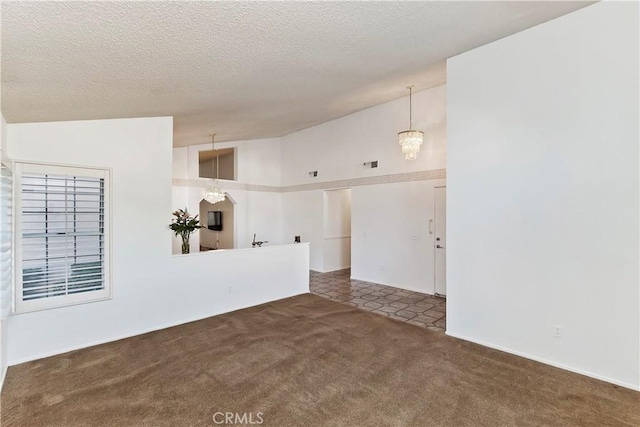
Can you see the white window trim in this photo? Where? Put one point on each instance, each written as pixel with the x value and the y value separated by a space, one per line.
pixel 21 306
pixel 8 294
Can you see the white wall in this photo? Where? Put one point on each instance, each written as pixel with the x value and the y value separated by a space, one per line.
pixel 391 243
pixel 264 218
pixel 302 213
pixel 151 289
pixel 3 295
pixel 255 211
pixel 543 193
pixel 336 229
pixel 337 150
pixel 258 160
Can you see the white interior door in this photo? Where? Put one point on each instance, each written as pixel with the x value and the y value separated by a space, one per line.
pixel 440 240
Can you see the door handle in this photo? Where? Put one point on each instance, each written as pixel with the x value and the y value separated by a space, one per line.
pixel 439 247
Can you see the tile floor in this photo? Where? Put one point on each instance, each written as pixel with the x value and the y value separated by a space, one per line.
pixel 412 307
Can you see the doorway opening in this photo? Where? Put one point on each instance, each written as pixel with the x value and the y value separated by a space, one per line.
pixel 219 224
pixel 336 236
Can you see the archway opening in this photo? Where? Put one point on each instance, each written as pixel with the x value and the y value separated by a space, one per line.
pixel 218 222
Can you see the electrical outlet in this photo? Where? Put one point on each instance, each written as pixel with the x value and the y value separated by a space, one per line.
pixel 228 289
pixel 557 331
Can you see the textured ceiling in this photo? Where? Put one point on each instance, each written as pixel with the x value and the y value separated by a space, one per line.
pixel 242 69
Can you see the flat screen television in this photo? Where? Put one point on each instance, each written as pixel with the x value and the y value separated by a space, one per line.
pixel 214 220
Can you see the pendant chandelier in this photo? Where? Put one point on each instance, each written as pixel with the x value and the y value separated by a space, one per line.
pixel 410 140
pixel 213 193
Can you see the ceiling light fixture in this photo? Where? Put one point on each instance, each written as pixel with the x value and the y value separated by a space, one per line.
pixel 213 193
pixel 410 140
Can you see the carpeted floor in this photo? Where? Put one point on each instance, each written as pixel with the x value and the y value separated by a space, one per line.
pixel 304 361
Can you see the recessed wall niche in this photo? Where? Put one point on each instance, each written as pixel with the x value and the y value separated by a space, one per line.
pixel 217 235
pixel 209 160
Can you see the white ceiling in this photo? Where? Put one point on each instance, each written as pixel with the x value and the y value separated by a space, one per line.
pixel 242 69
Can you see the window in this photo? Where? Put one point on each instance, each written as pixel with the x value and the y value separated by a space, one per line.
pixel 62 230
pixel 6 237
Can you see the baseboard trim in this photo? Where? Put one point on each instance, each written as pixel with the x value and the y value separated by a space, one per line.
pixel 3 375
pixel 545 361
pixel 331 271
pixel 141 332
pixel 406 288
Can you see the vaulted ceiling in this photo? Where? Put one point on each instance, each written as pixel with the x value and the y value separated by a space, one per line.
pixel 242 69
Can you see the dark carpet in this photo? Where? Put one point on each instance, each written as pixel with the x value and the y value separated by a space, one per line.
pixel 304 361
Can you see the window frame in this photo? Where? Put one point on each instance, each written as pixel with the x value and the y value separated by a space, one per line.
pixel 10 307
pixel 22 306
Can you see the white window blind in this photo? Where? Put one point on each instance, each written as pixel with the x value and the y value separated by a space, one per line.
pixel 6 256
pixel 63 229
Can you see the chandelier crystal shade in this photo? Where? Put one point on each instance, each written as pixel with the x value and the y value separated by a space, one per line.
pixel 213 193
pixel 410 140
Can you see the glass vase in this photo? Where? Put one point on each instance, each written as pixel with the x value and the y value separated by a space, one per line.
pixel 185 244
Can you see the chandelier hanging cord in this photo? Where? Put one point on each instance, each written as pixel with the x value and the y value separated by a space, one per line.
pixel 410 107
pixel 213 148
pixel 212 193
pixel 410 140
